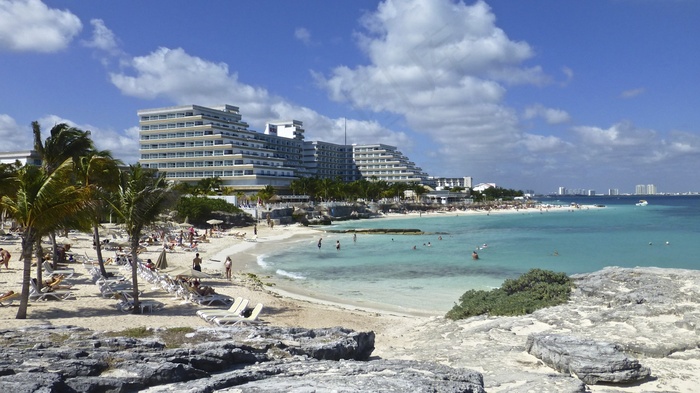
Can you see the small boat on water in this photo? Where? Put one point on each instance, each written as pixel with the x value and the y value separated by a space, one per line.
pixel 642 202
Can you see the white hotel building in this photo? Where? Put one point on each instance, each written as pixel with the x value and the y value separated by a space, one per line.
pixel 192 142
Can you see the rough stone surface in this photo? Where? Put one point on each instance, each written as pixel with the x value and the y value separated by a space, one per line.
pixel 71 359
pixel 652 314
pixel 590 361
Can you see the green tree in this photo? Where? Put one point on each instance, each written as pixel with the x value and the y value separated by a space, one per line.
pixel 64 142
pixel 208 186
pixel 41 204
pixel 141 197
pixel 267 193
pixel 99 172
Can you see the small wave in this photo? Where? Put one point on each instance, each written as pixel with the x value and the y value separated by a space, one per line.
pixel 262 262
pixel 285 273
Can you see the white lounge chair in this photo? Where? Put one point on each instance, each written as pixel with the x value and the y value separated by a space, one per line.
pixel 235 310
pixel 8 298
pixel 194 296
pixel 68 273
pixel 126 303
pixel 229 321
pixel 44 293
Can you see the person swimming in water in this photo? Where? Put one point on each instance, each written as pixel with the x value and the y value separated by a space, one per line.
pixel 475 255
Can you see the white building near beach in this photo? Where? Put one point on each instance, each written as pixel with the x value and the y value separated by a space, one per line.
pixel 191 142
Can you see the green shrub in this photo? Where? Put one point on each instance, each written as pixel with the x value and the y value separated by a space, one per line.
pixel 533 290
pixel 198 209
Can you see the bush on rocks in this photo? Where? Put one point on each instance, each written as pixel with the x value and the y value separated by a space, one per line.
pixel 533 290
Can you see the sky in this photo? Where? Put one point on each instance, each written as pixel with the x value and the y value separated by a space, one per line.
pixel 530 95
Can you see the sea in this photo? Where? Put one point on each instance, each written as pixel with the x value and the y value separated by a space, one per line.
pixel 385 269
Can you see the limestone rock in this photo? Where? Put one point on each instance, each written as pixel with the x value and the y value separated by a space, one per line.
pixel 591 361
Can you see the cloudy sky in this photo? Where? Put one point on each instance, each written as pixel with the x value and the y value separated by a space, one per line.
pixel 527 94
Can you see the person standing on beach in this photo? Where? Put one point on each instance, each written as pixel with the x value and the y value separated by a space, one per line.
pixel 5 257
pixel 227 267
pixel 197 263
pixel 319 243
pixel 337 245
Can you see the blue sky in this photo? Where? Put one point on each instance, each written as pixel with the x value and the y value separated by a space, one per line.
pixel 527 94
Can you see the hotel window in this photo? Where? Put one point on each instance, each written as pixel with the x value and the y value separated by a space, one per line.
pixel 199 174
pixel 248 172
pixel 228 173
pixel 237 173
pixel 189 164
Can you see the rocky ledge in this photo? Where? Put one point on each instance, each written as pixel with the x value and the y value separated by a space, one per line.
pixel 629 329
pixel 248 358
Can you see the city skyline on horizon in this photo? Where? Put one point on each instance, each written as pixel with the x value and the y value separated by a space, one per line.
pixel 524 95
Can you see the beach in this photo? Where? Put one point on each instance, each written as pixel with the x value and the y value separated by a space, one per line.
pixel 490 345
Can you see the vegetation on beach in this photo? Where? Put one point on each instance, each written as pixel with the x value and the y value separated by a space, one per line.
pixel 197 210
pixel 532 291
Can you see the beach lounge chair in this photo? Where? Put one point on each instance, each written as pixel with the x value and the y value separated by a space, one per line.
pixel 235 310
pixel 229 321
pixel 44 294
pixel 196 297
pixel 68 272
pixel 126 303
pixel 7 298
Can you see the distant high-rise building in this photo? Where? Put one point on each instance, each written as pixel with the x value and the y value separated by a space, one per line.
pixel 613 191
pixel 591 192
pixel 645 189
pixel 562 191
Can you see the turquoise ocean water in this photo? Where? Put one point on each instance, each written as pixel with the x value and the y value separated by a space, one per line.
pixel 384 269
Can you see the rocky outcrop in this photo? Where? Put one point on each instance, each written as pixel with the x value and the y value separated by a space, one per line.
pixel 650 314
pixel 590 361
pixel 253 358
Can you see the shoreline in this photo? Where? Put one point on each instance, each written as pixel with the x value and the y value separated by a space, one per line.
pixel 490 345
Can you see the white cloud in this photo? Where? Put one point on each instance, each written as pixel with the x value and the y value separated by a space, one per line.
pixel 623 134
pixel 175 75
pixel 442 66
pixel 550 115
pixel 303 35
pixel 29 25
pixel 102 38
pixel 14 136
pixel 632 92
pixel 124 144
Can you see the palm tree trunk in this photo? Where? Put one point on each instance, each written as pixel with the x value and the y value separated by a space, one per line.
pixel 27 243
pixel 98 249
pixel 54 250
pixel 40 262
pixel 135 273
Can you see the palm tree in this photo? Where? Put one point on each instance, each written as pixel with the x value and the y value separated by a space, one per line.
pixel 64 142
pixel 99 172
pixel 141 197
pixel 267 193
pixel 41 204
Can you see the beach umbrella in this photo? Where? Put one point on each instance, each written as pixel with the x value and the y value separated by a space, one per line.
pixel 214 221
pixel 162 262
pixel 188 272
